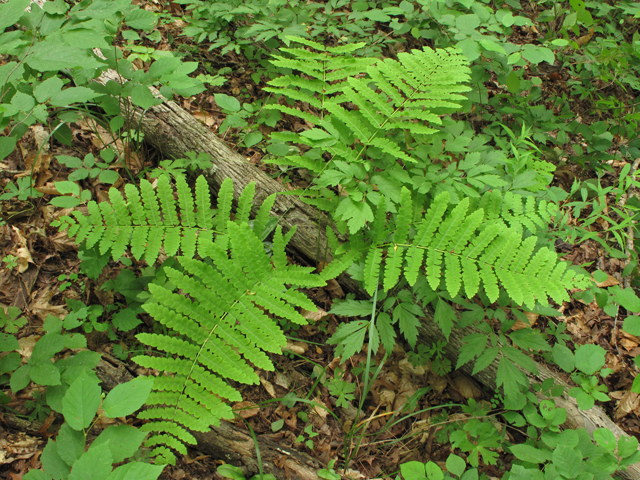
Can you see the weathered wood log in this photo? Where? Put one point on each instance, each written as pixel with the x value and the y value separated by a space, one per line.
pixel 174 132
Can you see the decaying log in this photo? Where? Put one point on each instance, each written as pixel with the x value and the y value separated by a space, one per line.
pixel 174 132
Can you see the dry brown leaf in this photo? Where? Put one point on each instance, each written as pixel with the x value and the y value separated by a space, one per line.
pixel 24 259
pixel 26 345
pixel 334 289
pixel 466 387
pixel 246 409
pixel 282 381
pixel 297 347
pixel 268 386
pixel 319 314
pixel 609 282
pixel 437 382
pixel 629 402
pixel 42 308
pixel 321 409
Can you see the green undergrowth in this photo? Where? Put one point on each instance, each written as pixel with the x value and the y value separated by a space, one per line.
pixel 434 131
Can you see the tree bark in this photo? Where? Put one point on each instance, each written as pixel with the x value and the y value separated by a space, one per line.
pixel 173 131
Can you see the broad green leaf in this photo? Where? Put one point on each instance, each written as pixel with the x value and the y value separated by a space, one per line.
pixel 230 471
pixel 70 444
pixel 11 12
pixel 108 176
pixel 606 439
pixel 73 95
pixel 567 460
pixel 589 358
pixel 128 397
pixel 252 139
pixel 626 297
pixel 433 471
pixel 137 471
pixel 536 54
pixel 95 464
pixel 492 46
pixel 65 202
pixel 530 454
pixel 10 362
pixel 68 187
pixel 50 55
pixel 413 470
pixel 45 373
pixel 627 446
pixel 81 402
pixel 563 357
pixel 36 475
pixel 48 89
pixel 143 98
pixel 467 23
pixel 225 102
pixel 20 378
pixel 140 19
pixel 23 102
pixel 8 343
pixel 7 145
pixel 456 464
pixel 125 319
pixel 124 441
pixel 53 463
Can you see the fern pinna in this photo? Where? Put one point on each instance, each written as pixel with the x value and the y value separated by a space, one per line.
pixel 164 217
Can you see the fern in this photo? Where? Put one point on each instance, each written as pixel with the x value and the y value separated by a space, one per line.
pixel 161 218
pixel 394 96
pixel 222 315
pixel 466 251
pixel 460 251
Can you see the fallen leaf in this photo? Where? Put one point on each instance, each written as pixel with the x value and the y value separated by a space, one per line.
pixel 268 386
pixel 246 409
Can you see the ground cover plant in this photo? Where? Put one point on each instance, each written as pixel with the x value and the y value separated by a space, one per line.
pixel 469 162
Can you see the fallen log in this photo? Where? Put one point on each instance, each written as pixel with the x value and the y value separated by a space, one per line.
pixel 174 132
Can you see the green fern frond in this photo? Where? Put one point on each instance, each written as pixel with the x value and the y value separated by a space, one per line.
pixel 467 253
pixel 162 219
pixel 222 313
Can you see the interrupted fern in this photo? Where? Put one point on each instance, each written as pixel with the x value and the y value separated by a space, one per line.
pixel 222 314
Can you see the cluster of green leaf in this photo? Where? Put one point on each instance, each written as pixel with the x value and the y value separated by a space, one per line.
pixel 67 457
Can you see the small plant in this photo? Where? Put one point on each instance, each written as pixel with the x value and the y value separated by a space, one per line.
pixel 307 436
pixel 342 389
pixel 11 261
pixel 91 167
pixel 329 473
pixel 85 316
pixel 11 321
pixel 21 190
pixel 67 280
